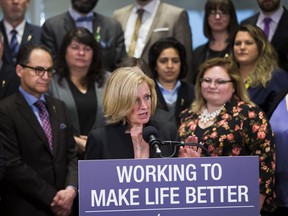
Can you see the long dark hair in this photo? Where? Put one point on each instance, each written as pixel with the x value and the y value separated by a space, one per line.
pixel 95 71
pixel 226 6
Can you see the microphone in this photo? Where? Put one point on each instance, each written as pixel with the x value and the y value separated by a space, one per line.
pixel 181 143
pixel 150 135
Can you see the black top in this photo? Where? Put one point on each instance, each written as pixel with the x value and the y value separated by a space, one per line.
pixel 199 132
pixel 86 106
pixel 202 53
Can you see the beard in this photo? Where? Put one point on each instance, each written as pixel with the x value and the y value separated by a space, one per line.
pixel 84 6
pixel 268 6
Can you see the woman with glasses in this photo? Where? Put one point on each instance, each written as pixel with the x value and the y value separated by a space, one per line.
pixel 258 63
pixel 79 82
pixel 227 123
pixel 220 24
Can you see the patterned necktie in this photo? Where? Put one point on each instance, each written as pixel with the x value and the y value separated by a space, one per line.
pixel 14 45
pixel 136 32
pixel 267 21
pixel 43 113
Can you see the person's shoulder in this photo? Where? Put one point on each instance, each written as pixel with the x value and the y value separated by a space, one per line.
pixel 200 48
pixel 107 22
pixel 279 78
pixel 54 101
pixel 122 10
pixel 10 101
pixel 56 18
pixel 250 20
pixel 170 7
pixel 280 73
pixel 33 26
pixel 187 86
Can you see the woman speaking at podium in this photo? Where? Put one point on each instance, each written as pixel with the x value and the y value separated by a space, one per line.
pixel 227 123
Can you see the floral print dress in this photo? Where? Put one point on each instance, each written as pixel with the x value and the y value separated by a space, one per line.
pixel 240 129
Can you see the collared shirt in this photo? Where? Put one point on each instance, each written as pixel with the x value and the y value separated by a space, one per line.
pixel 20 30
pixel 276 16
pixel 86 24
pixel 150 10
pixel 170 96
pixel 31 100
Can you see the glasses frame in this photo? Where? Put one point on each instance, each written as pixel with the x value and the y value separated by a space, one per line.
pixel 40 71
pixel 208 82
pixel 214 13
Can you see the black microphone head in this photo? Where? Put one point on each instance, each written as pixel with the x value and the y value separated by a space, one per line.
pixel 148 131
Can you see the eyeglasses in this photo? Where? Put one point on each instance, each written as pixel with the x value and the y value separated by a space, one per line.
pixel 207 82
pixel 214 13
pixel 39 71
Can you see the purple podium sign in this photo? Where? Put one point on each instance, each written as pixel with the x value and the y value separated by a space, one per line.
pixel 170 186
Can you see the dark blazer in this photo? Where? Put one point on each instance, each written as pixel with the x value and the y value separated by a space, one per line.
pixel 264 96
pixel 111 142
pixel 185 98
pixel 111 36
pixel 33 174
pixel 32 34
pixel 9 81
pixel 202 53
pixel 278 98
pixel 280 38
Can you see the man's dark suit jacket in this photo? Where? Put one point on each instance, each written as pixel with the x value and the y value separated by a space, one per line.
pixel 279 39
pixel 111 36
pixel 33 174
pixel 9 81
pixel 32 34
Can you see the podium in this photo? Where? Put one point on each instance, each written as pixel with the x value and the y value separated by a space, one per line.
pixel 203 186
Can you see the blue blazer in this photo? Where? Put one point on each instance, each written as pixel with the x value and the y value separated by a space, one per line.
pixel 264 96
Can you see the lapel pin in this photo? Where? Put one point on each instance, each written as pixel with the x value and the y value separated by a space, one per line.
pixel 29 37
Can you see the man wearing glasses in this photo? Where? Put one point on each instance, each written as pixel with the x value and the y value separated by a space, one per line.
pixel 41 165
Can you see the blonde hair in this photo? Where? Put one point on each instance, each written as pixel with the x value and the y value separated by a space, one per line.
pixel 267 60
pixel 120 93
pixel 232 70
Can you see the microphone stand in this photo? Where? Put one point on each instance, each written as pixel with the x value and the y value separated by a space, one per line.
pixel 177 144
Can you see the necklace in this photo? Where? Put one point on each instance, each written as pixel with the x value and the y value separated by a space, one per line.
pixel 138 144
pixel 140 147
pixel 205 116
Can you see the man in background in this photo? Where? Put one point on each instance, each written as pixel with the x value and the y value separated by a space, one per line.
pixel 9 81
pixel 15 29
pixel 273 20
pixel 107 31
pixel 146 21
pixel 41 177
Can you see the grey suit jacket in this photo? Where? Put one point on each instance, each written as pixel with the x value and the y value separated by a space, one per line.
pixel 32 34
pixel 111 36
pixel 33 174
pixel 62 91
pixel 169 21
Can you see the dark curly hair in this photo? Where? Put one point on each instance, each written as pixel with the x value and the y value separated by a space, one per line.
pixel 166 43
